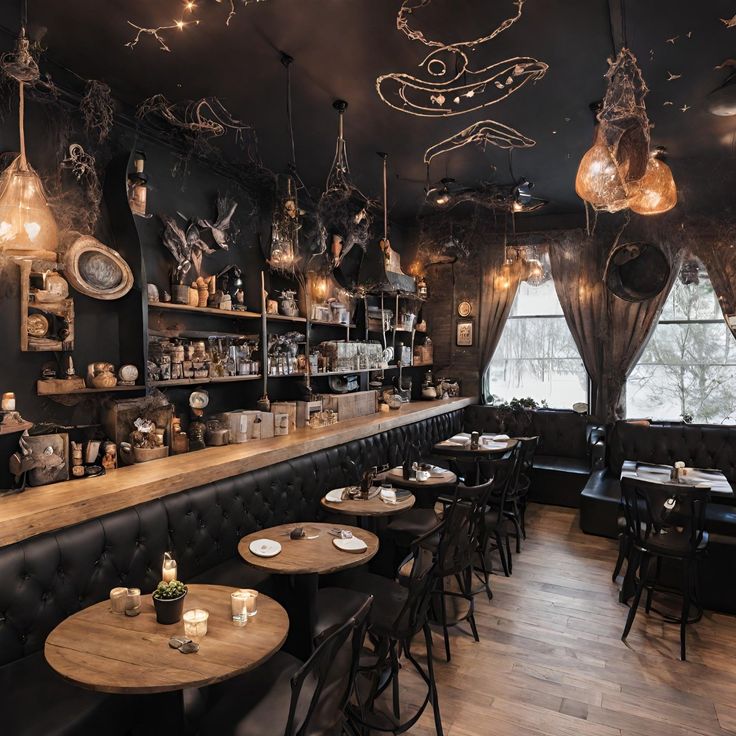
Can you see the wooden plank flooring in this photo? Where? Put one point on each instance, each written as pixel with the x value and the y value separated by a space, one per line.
pixel 550 660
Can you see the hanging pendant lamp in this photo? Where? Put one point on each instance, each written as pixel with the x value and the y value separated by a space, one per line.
pixel 27 225
pixel 657 192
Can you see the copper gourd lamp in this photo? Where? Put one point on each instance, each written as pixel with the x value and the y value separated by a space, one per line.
pixel 657 191
pixel 27 225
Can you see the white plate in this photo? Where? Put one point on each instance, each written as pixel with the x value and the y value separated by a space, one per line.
pixel 335 496
pixel 264 548
pixel 350 545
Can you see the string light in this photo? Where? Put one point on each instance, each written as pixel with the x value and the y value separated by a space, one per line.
pixel 189 6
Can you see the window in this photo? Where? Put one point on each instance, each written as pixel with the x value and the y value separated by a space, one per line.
pixel 688 369
pixel 536 356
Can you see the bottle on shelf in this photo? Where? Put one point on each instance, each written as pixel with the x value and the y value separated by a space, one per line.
pixel 138 186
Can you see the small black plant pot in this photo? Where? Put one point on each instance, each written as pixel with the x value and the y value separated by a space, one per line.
pixel 169 610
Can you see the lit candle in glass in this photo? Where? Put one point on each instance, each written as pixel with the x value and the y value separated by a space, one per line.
pixel 251 602
pixel 8 402
pixel 195 623
pixel 133 602
pixel 239 607
pixel 168 571
pixel 118 599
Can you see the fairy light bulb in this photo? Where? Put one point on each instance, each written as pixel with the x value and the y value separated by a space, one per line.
pixel 27 225
pixel 657 189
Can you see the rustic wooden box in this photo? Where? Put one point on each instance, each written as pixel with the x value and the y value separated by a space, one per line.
pixel 117 418
pixel 350 406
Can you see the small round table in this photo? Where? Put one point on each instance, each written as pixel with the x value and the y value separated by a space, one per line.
pixel 483 452
pixel 108 652
pixel 373 508
pixel 304 560
pixel 427 491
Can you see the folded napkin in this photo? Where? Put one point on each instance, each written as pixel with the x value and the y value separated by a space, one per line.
pixel 388 495
pixel 498 437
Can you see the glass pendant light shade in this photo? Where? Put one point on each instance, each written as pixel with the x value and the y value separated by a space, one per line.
pixel 599 180
pixel 657 192
pixel 27 227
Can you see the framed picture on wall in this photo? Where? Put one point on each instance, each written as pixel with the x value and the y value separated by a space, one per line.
pixel 464 337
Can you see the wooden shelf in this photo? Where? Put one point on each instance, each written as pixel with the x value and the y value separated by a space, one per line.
pixel 348 373
pixel 200 381
pixel 284 318
pixel 230 314
pixel 321 323
pixel 13 428
pixel 420 365
pixel 82 391
pixel 286 375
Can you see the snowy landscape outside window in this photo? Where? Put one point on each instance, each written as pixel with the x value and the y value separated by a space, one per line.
pixel 688 369
pixel 537 356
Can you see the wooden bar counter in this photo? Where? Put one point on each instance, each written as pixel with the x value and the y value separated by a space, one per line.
pixel 46 508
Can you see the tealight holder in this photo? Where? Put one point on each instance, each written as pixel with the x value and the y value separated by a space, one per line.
pixel 133 602
pixel 195 623
pixel 168 569
pixel 118 600
pixel 239 607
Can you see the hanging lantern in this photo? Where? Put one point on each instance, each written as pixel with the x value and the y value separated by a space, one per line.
pixel 657 192
pixel 27 226
pixel 599 180
pixel 536 274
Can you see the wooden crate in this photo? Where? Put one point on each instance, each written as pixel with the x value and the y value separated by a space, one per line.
pixel 350 406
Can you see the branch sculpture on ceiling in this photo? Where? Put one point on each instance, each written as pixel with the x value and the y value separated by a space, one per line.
pixel 454 88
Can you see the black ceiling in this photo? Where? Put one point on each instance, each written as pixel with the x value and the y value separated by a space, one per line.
pixel 341 46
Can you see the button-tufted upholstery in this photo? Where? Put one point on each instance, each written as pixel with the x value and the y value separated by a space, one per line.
pixel 563 459
pixel 704 446
pixel 47 578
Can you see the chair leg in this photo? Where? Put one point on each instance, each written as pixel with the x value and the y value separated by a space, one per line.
pixel 482 548
pixel 433 683
pixel 685 606
pixel 508 554
pixel 395 683
pixel 622 544
pixel 650 588
pixel 502 554
pixel 443 615
pixel 643 574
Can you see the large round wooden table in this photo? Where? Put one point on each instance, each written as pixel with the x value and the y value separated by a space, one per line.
pixel 426 491
pixel 478 455
pixel 299 565
pixel 112 653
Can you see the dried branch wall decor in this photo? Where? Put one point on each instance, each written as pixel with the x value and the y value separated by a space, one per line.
pixel 97 110
pixel 454 87
pixel 82 166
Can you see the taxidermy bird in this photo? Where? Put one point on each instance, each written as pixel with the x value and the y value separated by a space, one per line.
pixel 186 245
pixel 225 210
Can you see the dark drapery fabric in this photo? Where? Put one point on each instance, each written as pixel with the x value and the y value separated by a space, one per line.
pixel 500 282
pixel 610 333
pixel 717 251
pixel 577 263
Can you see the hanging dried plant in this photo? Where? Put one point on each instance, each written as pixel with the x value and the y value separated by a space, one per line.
pixel 82 166
pixel 97 110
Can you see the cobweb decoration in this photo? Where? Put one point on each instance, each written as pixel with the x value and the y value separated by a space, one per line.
pixel 21 64
pixel 97 110
pixel 623 117
pixel 82 166
pixel 343 211
pixel 453 87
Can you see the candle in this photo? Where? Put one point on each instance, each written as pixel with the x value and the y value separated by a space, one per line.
pixel 251 601
pixel 239 607
pixel 133 602
pixel 195 623
pixel 8 402
pixel 118 599
pixel 168 570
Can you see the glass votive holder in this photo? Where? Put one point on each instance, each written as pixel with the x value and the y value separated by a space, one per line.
pixel 251 601
pixel 118 600
pixel 195 623
pixel 133 602
pixel 239 607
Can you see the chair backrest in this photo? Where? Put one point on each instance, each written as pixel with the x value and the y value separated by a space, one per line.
pixel 656 508
pixel 527 448
pixel 455 548
pixel 505 474
pixel 330 675
pixel 422 579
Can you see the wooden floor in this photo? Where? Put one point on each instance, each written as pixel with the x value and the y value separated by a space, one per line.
pixel 551 661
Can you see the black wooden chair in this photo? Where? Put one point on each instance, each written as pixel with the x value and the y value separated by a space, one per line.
pixel 495 522
pixel 665 522
pixel 516 500
pixel 286 696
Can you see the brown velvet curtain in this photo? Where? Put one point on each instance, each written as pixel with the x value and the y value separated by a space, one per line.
pixel 500 282
pixel 610 333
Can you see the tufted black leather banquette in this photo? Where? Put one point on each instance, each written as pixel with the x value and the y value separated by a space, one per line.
pixel 702 446
pixel 568 447
pixel 47 578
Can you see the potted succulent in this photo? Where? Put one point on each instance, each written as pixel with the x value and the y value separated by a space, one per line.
pixel 168 600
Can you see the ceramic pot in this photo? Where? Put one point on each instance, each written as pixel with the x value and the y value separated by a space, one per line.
pixel 180 293
pixel 169 610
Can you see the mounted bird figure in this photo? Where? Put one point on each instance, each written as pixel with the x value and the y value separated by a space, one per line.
pixel 185 244
pixel 220 228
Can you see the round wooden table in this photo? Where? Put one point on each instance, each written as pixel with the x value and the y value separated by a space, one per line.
pixel 372 508
pixel 427 491
pixel 478 455
pixel 112 653
pixel 298 567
